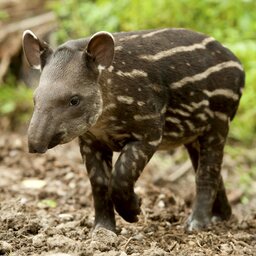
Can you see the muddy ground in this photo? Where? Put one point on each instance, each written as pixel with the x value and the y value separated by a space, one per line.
pixel 46 207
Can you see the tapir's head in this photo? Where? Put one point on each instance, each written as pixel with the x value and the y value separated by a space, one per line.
pixel 68 100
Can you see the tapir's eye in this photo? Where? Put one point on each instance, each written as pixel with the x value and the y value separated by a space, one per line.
pixel 74 101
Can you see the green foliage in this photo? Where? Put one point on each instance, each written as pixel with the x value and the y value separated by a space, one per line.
pixel 225 19
pixel 16 102
pixel 3 15
pixel 245 169
pixel 231 22
pixel 244 126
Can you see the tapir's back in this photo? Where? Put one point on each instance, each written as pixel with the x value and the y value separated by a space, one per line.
pixel 175 58
pixel 185 78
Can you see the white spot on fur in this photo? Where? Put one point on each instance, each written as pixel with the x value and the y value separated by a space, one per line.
pixel 106 169
pixel 155 143
pixel 190 125
pixel 133 73
pixel 127 38
pixel 221 116
pixel 101 68
pixel 155 32
pixel 119 48
pixel 86 149
pixel 200 76
pixel 109 106
pixel 112 118
pixel 141 103
pixel 100 180
pixel 145 117
pixel 178 111
pixel 125 99
pixel 202 116
pixel 178 49
pixel 110 68
pixel 137 136
pixel 92 172
pixel 173 120
pixel 172 134
pixel 222 92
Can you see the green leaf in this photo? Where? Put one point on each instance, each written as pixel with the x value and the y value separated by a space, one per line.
pixel 47 203
pixel 8 107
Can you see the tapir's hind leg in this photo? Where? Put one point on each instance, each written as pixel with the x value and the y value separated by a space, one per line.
pixel 211 201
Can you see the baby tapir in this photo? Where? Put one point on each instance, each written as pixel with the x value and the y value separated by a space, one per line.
pixel 137 93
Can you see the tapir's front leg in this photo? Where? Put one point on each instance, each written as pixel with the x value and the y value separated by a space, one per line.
pixel 127 169
pixel 98 160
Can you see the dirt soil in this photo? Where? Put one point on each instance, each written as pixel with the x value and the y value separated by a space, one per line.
pixel 46 207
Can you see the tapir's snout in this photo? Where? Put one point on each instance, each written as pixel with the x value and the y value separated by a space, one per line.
pixel 41 146
pixel 43 133
pixel 36 148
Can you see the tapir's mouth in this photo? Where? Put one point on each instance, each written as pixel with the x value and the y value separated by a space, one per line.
pixel 56 140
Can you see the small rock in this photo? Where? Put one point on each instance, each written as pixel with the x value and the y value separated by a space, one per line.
pixel 191 243
pixel 161 204
pixel 138 237
pixel 226 248
pixel 60 241
pixel 5 247
pixel 13 153
pixel 33 183
pixel 66 217
pixel 57 254
pixel 17 143
pixel 38 240
pixel 2 142
pixel 103 239
pixel 155 251
pixel 124 231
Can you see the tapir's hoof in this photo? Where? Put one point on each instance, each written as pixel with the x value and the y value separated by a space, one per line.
pixel 105 225
pixel 194 225
pixel 128 209
pixel 221 213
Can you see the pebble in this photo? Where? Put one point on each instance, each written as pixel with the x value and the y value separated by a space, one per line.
pixel 66 217
pixel 38 240
pixel 5 247
pixel 161 204
pixel 191 243
pixel 103 239
pixel 57 254
pixel 226 248
pixel 33 183
pixel 124 231
pixel 138 237
pixel 17 143
pixel 60 241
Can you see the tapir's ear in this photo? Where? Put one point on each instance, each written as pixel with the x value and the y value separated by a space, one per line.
pixel 34 49
pixel 101 49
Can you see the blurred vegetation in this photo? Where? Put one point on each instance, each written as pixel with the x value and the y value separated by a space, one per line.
pixel 231 22
pixel 16 102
